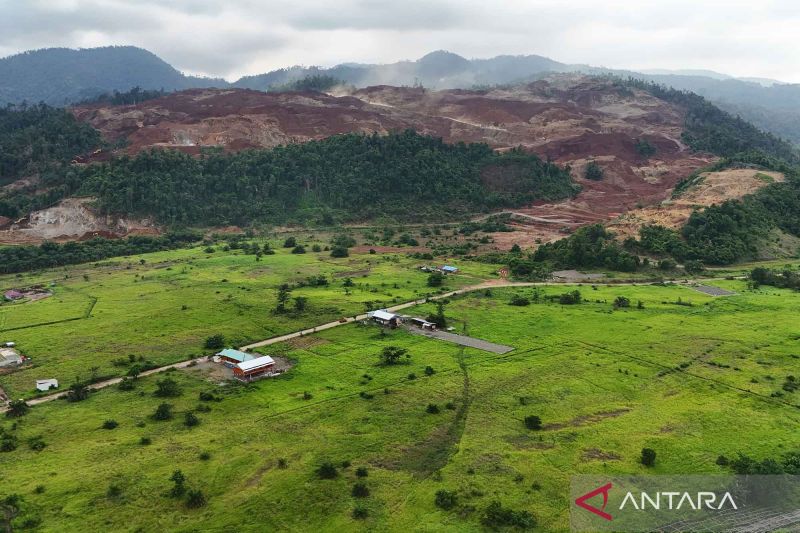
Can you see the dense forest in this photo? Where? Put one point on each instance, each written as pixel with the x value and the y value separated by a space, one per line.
pixel 24 258
pixel 346 177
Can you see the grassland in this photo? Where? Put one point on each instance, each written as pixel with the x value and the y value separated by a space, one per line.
pixel 161 307
pixel 691 381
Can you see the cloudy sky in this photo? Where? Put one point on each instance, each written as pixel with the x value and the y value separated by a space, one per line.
pixel 229 38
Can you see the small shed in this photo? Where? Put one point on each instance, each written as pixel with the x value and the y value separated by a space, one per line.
pixel 385 318
pixel 253 368
pixel 9 344
pixel 423 324
pixel 45 385
pixel 231 357
pixel 13 295
pixel 447 269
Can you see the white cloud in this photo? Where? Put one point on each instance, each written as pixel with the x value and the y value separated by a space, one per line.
pixel 234 37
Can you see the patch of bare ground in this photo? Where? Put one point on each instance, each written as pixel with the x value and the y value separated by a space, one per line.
pixel 710 188
pixel 305 342
pixel 585 420
pixel 596 454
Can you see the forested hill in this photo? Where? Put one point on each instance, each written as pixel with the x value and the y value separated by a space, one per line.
pixel 59 76
pixel 345 177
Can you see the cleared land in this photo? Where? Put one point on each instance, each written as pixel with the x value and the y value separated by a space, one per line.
pixel 688 380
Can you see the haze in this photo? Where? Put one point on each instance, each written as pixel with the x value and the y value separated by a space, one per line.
pixel 238 37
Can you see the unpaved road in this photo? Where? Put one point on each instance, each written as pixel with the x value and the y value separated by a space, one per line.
pixel 490 284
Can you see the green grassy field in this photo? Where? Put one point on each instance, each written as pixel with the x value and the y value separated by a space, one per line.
pixel 162 310
pixel 690 381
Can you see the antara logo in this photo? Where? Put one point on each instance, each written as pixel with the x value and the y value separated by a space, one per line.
pixel 581 502
pixel 660 500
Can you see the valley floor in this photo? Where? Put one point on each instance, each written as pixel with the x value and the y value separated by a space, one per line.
pixel 690 375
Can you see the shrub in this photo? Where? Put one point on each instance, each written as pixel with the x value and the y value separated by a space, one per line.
pixel 435 279
pixel 290 242
pixel 195 498
pixel 179 484
pixel 390 355
pixel 37 443
pixel 327 470
pixel 215 342
pixel 190 419
pixel 519 300
pixel 16 409
pixel 204 456
pixel 432 409
pixel 445 499
pixel 77 392
pixel 360 490
pixel 429 371
pixel 362 471
pixel 360 513
pixel 307 395
pixel 533 422
pixel 316 248
pixel 163 412
pixel 621 301
pixel 282 463
pixel 206 396
pixel 145 441
pixel 126 384
pixel 113 492
pixel 593 171
pixel 722 460
pixel 339 251
pixel 648 457
pixel 299 249
pixel 497 516
pixel 110 424
pixel 167 388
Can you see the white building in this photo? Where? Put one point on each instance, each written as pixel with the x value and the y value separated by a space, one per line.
pixel 45 385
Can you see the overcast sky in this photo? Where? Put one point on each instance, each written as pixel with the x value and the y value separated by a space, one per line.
pixel 229 38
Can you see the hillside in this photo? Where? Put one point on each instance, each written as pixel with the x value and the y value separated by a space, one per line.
pixel 59 76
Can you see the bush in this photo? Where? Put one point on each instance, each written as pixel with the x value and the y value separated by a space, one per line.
pixel 519 300
pixel 432 409
pixel 570 298
pixel 648 457
pixel 113 492
pixel 110 424
pixel 126 384
pixel 299 249
pixel 722 460
pixel 37 443
pixel 360 490
pixel 327 470
pixel 17 408
pixel 282 463
pixel 445 499
pixel 593 171
pixel 316 248
pixel 204 456
pixel 497 516
pixel 190 419
pixel 145 441
pixel 391 355
pixel 167 388
pixel 339 251
pixel 207 396
pixel 215 342
pixel 77 392
pixel 195 498
pixel 435 279
pixel 429 371
pixel 533 422
pixel 290 242
pixel 360 513
pixel 621 301
pixel 362 471
pixel 163 412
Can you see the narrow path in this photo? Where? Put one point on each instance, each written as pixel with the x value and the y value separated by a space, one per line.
pixel 490 284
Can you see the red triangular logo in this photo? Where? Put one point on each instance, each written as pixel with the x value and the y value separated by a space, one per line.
pixel 581 502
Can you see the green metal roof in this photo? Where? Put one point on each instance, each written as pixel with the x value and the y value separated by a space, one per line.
pixel 236 355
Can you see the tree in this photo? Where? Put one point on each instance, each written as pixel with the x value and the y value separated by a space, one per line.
pixel 390 355
pixel 300 303
pixel 215 342
pixel 496 516
pixel 190 419
pixel 593 171
pixel 163 412
pixel 693 266
pixel 339 251
pixel 10 507
pixel 299 249
pixel 648 457
pixel 621 301
pixel 435 279
pixel 77 392
pixel 290 242
pixel 360 490
pixel 533 422
pixel 17 408
pixel 167 388
pixel 438 317
pixel 519 300
pixel 284 293
pixel 179 484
